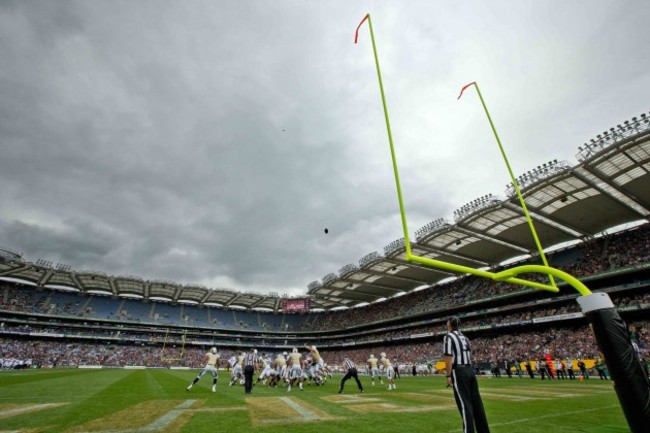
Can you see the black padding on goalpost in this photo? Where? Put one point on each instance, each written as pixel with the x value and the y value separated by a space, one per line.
pixel 630 382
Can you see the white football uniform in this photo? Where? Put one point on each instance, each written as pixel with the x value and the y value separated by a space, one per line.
pixel 211 365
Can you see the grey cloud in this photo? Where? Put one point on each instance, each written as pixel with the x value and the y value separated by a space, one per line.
pixel 215 142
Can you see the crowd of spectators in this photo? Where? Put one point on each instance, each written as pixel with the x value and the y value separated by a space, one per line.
pixel 521 317
pixel 573 342
pixel 613 251
pixel 64 353
pixel 598 255
pixel 560 342
pixel 27 301
pixel 473 321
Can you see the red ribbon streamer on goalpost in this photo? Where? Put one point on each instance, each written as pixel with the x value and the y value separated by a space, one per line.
pixel 463 89
pixel 356 34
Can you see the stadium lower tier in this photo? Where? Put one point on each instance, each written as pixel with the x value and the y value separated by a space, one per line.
pixel 490 351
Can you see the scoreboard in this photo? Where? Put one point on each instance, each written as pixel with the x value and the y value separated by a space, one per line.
pixel 297 305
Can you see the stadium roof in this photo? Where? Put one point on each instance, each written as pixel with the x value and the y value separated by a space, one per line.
pixel 610 186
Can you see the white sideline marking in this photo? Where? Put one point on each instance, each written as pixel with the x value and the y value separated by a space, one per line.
pixel 553 415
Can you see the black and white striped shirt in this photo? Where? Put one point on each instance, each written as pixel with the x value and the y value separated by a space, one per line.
pixel 456 345
pixel 251 359
pixel 348 364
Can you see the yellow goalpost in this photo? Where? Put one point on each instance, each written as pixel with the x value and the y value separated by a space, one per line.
pixel 508 275
pixel 632 385
pixel 165 343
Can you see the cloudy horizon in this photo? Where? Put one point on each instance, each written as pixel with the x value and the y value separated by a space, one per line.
pixel 212 143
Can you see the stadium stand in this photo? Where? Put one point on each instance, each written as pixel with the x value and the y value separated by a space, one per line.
pixel 193 315
pixel 102 307
pixel 41 326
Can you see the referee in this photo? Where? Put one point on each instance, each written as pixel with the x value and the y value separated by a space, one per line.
pixel 251 361
pixel 351 371
pixel 460 375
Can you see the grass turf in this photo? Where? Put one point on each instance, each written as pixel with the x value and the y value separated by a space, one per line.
pixel 116 400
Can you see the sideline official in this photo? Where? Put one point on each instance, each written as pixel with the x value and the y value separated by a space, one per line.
pixel 351 371
pixel 251 361
pixel 460 375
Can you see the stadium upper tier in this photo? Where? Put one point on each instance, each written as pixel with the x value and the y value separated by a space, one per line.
pixel 608 187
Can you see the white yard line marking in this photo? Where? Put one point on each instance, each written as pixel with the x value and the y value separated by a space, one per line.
pixel 557 393
pixel 535 393
pixel 294 411
pixel 158 425
pixel 31 408
pixel 304 412
pixel 511 397
pixel 284 420
pixel 76 397
pixel 218 409
pixel 421 395
pixel 358 401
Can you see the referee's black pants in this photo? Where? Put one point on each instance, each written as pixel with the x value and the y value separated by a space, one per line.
pixel 248 378
pixel 351 373
pixel 468 400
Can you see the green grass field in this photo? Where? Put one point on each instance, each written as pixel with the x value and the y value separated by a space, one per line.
pixel 116 400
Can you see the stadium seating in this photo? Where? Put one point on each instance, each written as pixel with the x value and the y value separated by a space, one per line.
pixel 505 321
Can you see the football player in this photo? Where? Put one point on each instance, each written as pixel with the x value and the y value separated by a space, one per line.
pixel 373 364
pixel 211 359
pixel 296 363
pixel 237 372
pixel 388 368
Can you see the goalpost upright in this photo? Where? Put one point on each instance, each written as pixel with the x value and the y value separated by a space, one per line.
pixel 182 352
pixel 630 382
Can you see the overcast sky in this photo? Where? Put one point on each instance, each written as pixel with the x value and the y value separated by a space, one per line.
pixel 212 142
